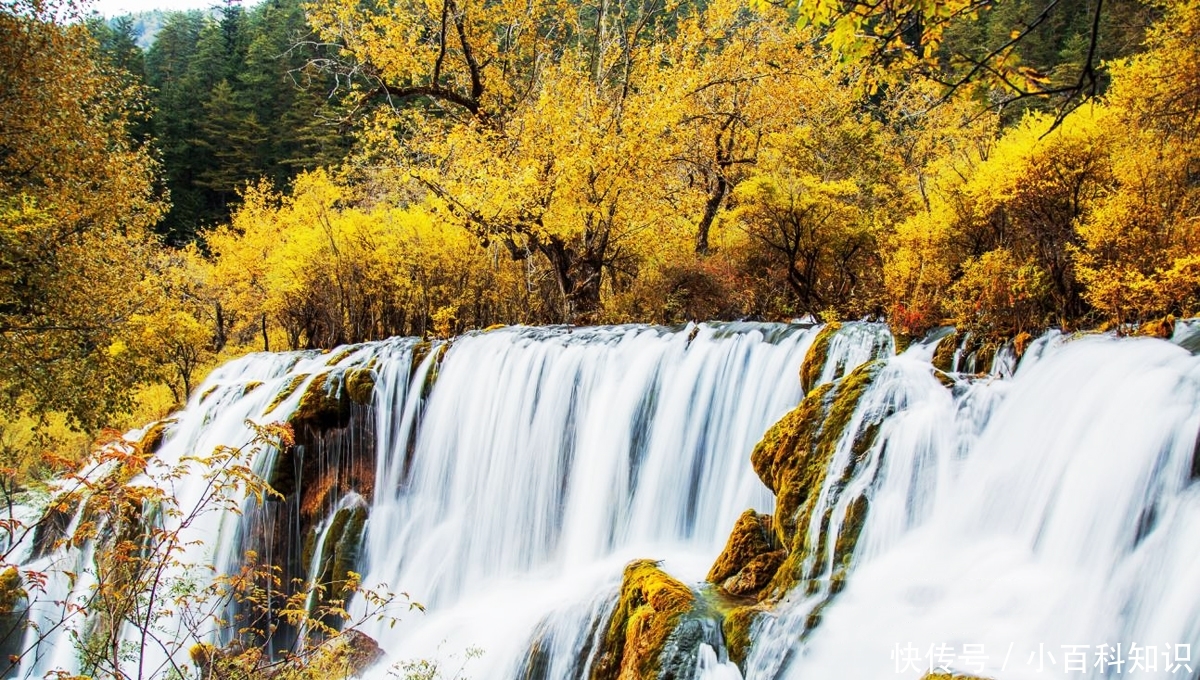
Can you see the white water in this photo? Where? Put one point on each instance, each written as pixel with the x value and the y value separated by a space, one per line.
pixel 1004 513
pixel 1003 538
pixel 548 458
pixel 216 416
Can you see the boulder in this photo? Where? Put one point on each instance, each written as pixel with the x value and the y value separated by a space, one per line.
pixel 793 460
pixel 654 631
pixel 755 575
pixel 750 557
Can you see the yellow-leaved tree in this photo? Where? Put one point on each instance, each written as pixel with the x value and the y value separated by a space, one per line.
pixel 324 271
pixel 77 202
pixel 538 126
pixel 1140 251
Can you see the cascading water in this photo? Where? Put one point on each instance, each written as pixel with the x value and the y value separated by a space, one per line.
pixel 1001 526
pixel 547 458
pixel 1017 526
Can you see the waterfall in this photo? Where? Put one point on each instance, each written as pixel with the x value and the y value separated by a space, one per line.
pixel 1013 521
pixel 1002 524
pixel 547 458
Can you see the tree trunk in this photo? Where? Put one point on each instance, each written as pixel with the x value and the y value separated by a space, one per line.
pixel 710 214
pixel 219 338
pixel 578 279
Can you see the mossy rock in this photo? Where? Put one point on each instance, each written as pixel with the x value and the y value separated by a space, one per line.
pixel 324 404
pixel 420 351
pixel 650 633
pixel 360 385
pixel 943 356
pixel 756 575
pixel 208 393
pixel 341 354
pixel 847 541
pixel 251 386
pixel 751 537
pixel 736 628
pixel 1158 328
pixel 51 531
pixel 12 591
pixel 817 356
pixel 750 557
pixel 945 379
pixel 154 435
pixel 1021 343
pixel 793 460
pixel 977 354
pixel 14 613
pixel 339 552
pixel 287 391
pixel 348 654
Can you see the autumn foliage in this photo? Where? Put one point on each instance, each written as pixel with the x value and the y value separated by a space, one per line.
pixel 549 162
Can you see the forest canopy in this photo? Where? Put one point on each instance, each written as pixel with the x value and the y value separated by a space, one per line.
pixel 302 175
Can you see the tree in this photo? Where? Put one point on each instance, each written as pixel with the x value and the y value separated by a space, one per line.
pixel 1140 251
pixel 1009 51
pixel 822 193
pixel 77 201
pixel 176 100
pixel 539 130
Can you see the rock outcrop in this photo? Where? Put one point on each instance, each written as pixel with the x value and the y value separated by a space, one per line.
pixel 655 629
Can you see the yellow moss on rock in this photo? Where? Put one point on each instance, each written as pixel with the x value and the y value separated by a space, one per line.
pixel 12 590
pixel 341 354
pixel 750 538
pixel 280 396
pixel 943 356
pixel 360 385
pixel 755 576
pixel 818 354
pixel 750 557
pixel 649 609
pixel 1158 328
pixel 154 434
pixel 736 629
pixel 324 403
pixel 793 458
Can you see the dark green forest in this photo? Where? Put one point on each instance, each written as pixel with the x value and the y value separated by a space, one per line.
pixel 232 100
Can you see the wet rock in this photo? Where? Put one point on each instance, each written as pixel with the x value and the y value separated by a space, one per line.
pixel 755 576
pixel 750 558
pixel 736 628
pixel 751 537
pixel 654 631
pixel 14 615
pixel 793 460
pixel 943 356
pixel 351 652
pixel 324 404
pixel 818 354
pixel 154 434
pixel 360 385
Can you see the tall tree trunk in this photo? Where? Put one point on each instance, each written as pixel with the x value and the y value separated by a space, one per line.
pixel 710 214
pixel 578 281
pixel 220 338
